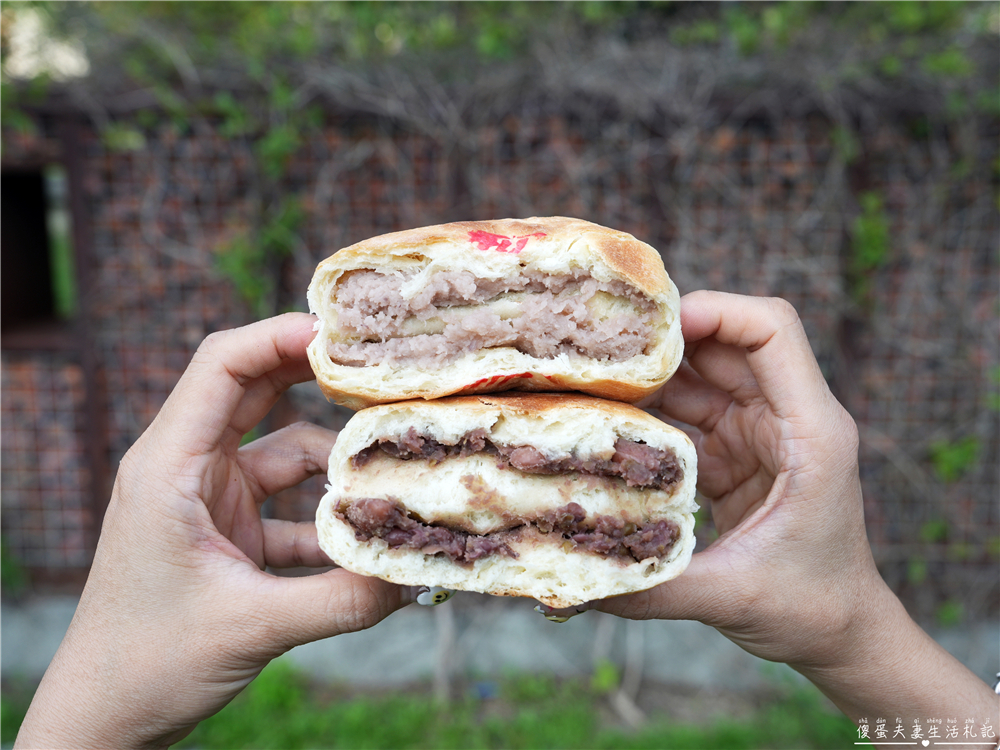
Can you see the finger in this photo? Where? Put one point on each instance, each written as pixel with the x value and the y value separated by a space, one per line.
pixel 706 591
pixel 726 368
pixel 284 458
pixel 260 394
pixel 288 544
pixel 202 405
pixel 332 603
pixel 687 398
pixel 778 351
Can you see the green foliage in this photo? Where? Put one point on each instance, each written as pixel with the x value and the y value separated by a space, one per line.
pixel 934 531
pixel 961 551
pixel 846 144
pixel 250 260
pixel 14 704
pixel 744 30
pixel 13 576
pixel 606 677
pixel 950 614
pixel 244 263
pixel 869 244
pixel 700 32
pixel 61 258
pixel 275 147
pixel 993 397
pixel 915 16
pixel 993 547
pixel 123 137
pixel 949 63
pixel 988 102
pixel 14 117
pixel 916 571
pixel 951 460
pixel 870 234
pixel 236 118
pixel 891 66
pixel 534 711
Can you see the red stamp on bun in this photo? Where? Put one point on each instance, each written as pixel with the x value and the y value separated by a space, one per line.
pixel 501 243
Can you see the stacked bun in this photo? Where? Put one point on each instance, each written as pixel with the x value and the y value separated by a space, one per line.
pixel 476 462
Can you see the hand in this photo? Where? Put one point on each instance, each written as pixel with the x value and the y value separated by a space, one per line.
pixel 791 577
pixel 777 463
pixel 178 614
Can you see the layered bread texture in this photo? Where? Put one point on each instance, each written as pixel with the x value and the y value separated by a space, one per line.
pixel 540 304
pixel 559 497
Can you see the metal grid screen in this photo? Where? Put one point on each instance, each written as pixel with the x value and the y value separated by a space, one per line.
pixel 760 208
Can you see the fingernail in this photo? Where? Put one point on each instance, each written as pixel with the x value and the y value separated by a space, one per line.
pixel 431 596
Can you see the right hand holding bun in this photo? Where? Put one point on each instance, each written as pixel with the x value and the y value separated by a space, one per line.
pixel 791 577
pixel 778 467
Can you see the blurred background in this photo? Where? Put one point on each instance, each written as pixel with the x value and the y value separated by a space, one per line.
pixel 171 169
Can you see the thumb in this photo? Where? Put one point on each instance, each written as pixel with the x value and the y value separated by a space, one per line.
pixel 332 603
pixel 706 592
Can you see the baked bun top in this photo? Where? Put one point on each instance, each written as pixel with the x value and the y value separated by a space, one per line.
pixel 499 251
pixel 555 244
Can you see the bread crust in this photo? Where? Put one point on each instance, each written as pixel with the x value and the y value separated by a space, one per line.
pixel 499 249
pixel 478 496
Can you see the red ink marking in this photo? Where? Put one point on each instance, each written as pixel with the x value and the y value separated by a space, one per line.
pixel 497 380
pixel 501 243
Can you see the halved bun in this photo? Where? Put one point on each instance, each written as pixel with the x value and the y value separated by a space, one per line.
pixel 469 485
pixel 382 337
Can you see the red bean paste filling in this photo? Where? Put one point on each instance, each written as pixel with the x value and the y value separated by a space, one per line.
pixel 639 465
pixel 606 536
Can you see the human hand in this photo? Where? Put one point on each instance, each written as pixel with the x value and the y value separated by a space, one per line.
pixel 777 463
pixel 791 577
pixel 178 614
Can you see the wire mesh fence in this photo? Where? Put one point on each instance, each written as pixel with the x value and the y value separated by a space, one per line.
pixel 908 341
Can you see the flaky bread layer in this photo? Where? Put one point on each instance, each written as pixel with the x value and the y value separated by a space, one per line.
pixel 475 495
pixel 500 249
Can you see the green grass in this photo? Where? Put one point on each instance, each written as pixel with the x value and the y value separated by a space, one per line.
pixel 530 711
pixel 282 710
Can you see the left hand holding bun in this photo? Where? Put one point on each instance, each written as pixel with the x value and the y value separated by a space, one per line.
pixel 179 614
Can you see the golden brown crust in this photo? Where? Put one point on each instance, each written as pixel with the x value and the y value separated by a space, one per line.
pixel 499 248
pixel 634 260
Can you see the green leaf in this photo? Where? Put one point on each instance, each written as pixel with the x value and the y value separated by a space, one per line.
pixel 870 235
pixel 993 547
pixel 606 677
pixel 950 614
pixel 934 531
pixel 244 264
pixel 275 148
pixel 916 571
pixel 951 460
pixel 950 63
pixel 123 137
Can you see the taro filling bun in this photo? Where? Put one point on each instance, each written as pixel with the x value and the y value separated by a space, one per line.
pixel 540 304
